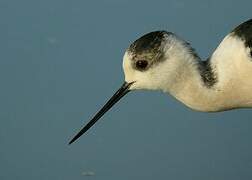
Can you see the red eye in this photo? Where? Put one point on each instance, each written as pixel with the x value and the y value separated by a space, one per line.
pixel 141 64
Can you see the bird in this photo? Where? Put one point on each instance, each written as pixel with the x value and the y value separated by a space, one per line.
pixel 161 60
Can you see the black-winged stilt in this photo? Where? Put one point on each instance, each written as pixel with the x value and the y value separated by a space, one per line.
pixel 161 60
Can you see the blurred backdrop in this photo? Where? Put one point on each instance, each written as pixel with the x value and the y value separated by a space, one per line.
pixel 61 60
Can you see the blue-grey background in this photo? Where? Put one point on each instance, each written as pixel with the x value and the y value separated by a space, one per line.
pixel 61 60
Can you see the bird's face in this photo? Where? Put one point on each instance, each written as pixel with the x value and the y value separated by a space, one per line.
pixel 146 64
pixel 141 72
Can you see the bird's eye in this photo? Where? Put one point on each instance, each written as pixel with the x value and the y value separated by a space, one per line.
pixel 141 64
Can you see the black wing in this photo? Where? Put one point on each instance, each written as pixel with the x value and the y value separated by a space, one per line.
pixel 244 31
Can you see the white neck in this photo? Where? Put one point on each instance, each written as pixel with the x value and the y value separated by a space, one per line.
pixel 190 89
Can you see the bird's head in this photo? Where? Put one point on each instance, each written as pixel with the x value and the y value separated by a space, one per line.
pixel 149 63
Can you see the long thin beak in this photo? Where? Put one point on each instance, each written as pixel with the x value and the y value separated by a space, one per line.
pixel 124 89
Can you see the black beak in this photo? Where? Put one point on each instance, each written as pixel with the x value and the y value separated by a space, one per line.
pixel 124 89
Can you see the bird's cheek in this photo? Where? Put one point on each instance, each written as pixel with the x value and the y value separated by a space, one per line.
pixel 135 86
pixel 130 76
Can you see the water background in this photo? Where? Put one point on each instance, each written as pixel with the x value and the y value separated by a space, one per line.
pixel 61 60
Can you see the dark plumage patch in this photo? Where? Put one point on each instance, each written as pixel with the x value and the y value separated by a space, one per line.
pixel 148 42
pixel 207 73
pixel 148 47
pixel 244 31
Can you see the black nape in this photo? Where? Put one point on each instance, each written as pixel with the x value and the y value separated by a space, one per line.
pixel 207 73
